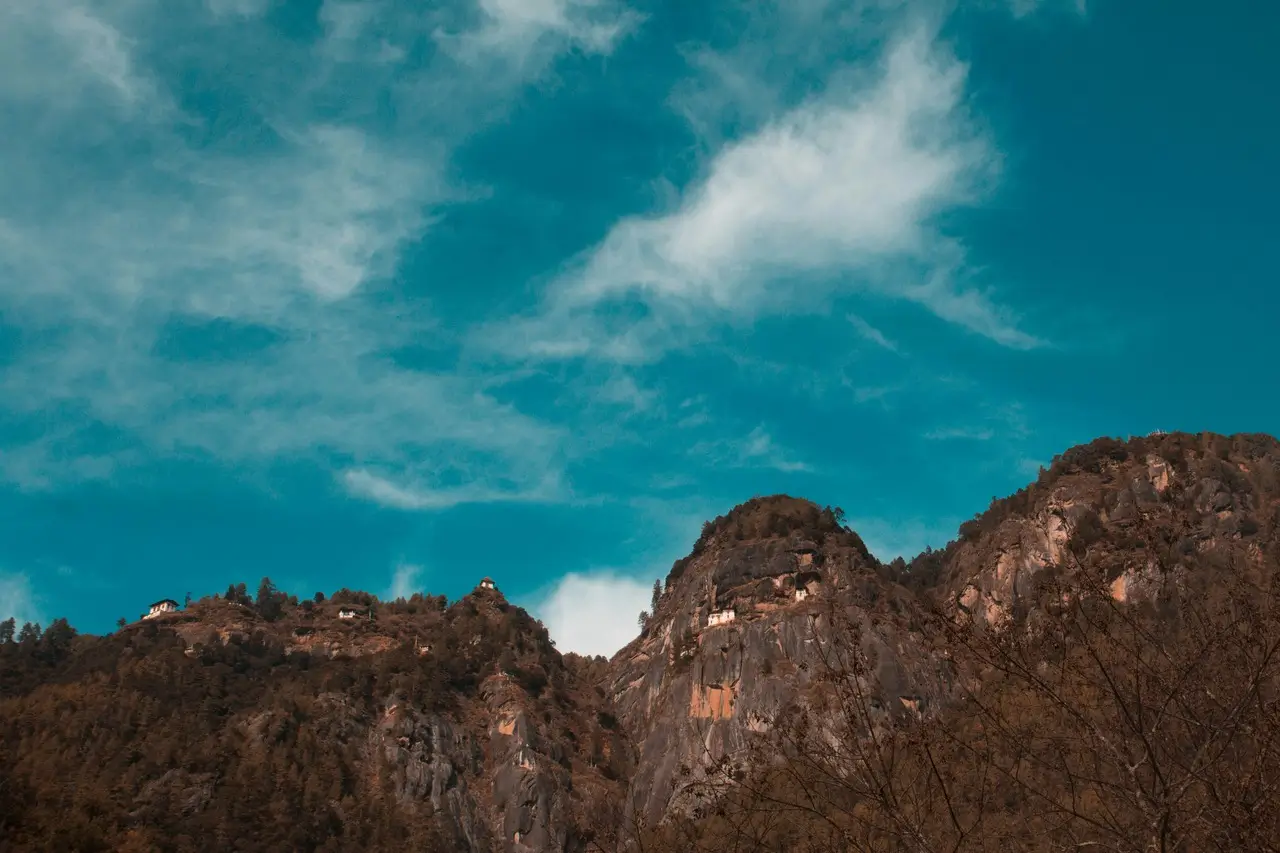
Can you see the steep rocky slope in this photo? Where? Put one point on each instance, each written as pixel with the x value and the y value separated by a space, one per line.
pixel 1153 514
pixel 735 636
pixel 413 724
pixel 1144 519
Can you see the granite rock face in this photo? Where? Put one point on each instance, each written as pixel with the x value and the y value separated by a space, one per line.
pixel 735 637
pixel 1151 515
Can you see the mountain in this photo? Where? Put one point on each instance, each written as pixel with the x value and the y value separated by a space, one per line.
pixel 347 724
pixel 730 643
pixel 1094 662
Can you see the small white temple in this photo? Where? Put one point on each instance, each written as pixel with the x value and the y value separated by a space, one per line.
pixel 164 605
pixel 721 617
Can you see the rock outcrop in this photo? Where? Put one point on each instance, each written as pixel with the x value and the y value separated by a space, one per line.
pixel 736 635
pixel 1147 516
pixel 735 640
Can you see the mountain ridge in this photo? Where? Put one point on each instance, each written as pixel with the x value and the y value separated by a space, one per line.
pixel 459 726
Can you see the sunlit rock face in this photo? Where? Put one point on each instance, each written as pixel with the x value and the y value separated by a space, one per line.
pixel 1141 519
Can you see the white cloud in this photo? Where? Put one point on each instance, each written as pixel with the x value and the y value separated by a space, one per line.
pixel 622 390
pixel 839 192
pixel 871 333
pixel 760 447
pixel 237 8
pixel 17 600
pixel 517 29
pixel 594 613
pixel 757 450
pixel 404 581
pixel 280 235
pixel 423 496
pixel 1025 8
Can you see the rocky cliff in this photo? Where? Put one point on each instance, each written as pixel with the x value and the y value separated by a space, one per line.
pixel 409 726
pixel 735 638
pixel 1146 517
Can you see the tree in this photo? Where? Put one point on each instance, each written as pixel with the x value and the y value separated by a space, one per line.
pixel 657 595
pixel 57 638
pixel 121 622
pixel 7 630
pixel 29 635
pixel 643 620
pixel 319 598
pixel 269 600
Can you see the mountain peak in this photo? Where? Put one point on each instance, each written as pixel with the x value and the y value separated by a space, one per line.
pixel 771 518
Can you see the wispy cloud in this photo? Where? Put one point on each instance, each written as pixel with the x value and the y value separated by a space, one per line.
pixel 1025 8
pixel 17 599
pixel 281 227
pixel 522 31
pixel 839 192
pixel 757 449
pixel 404 581
pixel 416 495
pixel 871 333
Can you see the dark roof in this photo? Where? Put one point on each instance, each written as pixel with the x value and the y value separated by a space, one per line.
pixel 165 601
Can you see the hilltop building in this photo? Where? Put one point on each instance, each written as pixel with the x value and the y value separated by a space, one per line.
pixel 164 605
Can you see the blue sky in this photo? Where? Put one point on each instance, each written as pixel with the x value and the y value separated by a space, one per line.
pixel 392 296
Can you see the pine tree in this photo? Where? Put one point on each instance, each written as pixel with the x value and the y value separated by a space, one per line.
pixel 657 595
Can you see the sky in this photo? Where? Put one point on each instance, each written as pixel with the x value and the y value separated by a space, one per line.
pixel 392 296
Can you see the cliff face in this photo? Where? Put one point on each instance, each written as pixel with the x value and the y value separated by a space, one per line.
pixel 1147 518
pixel 734 641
